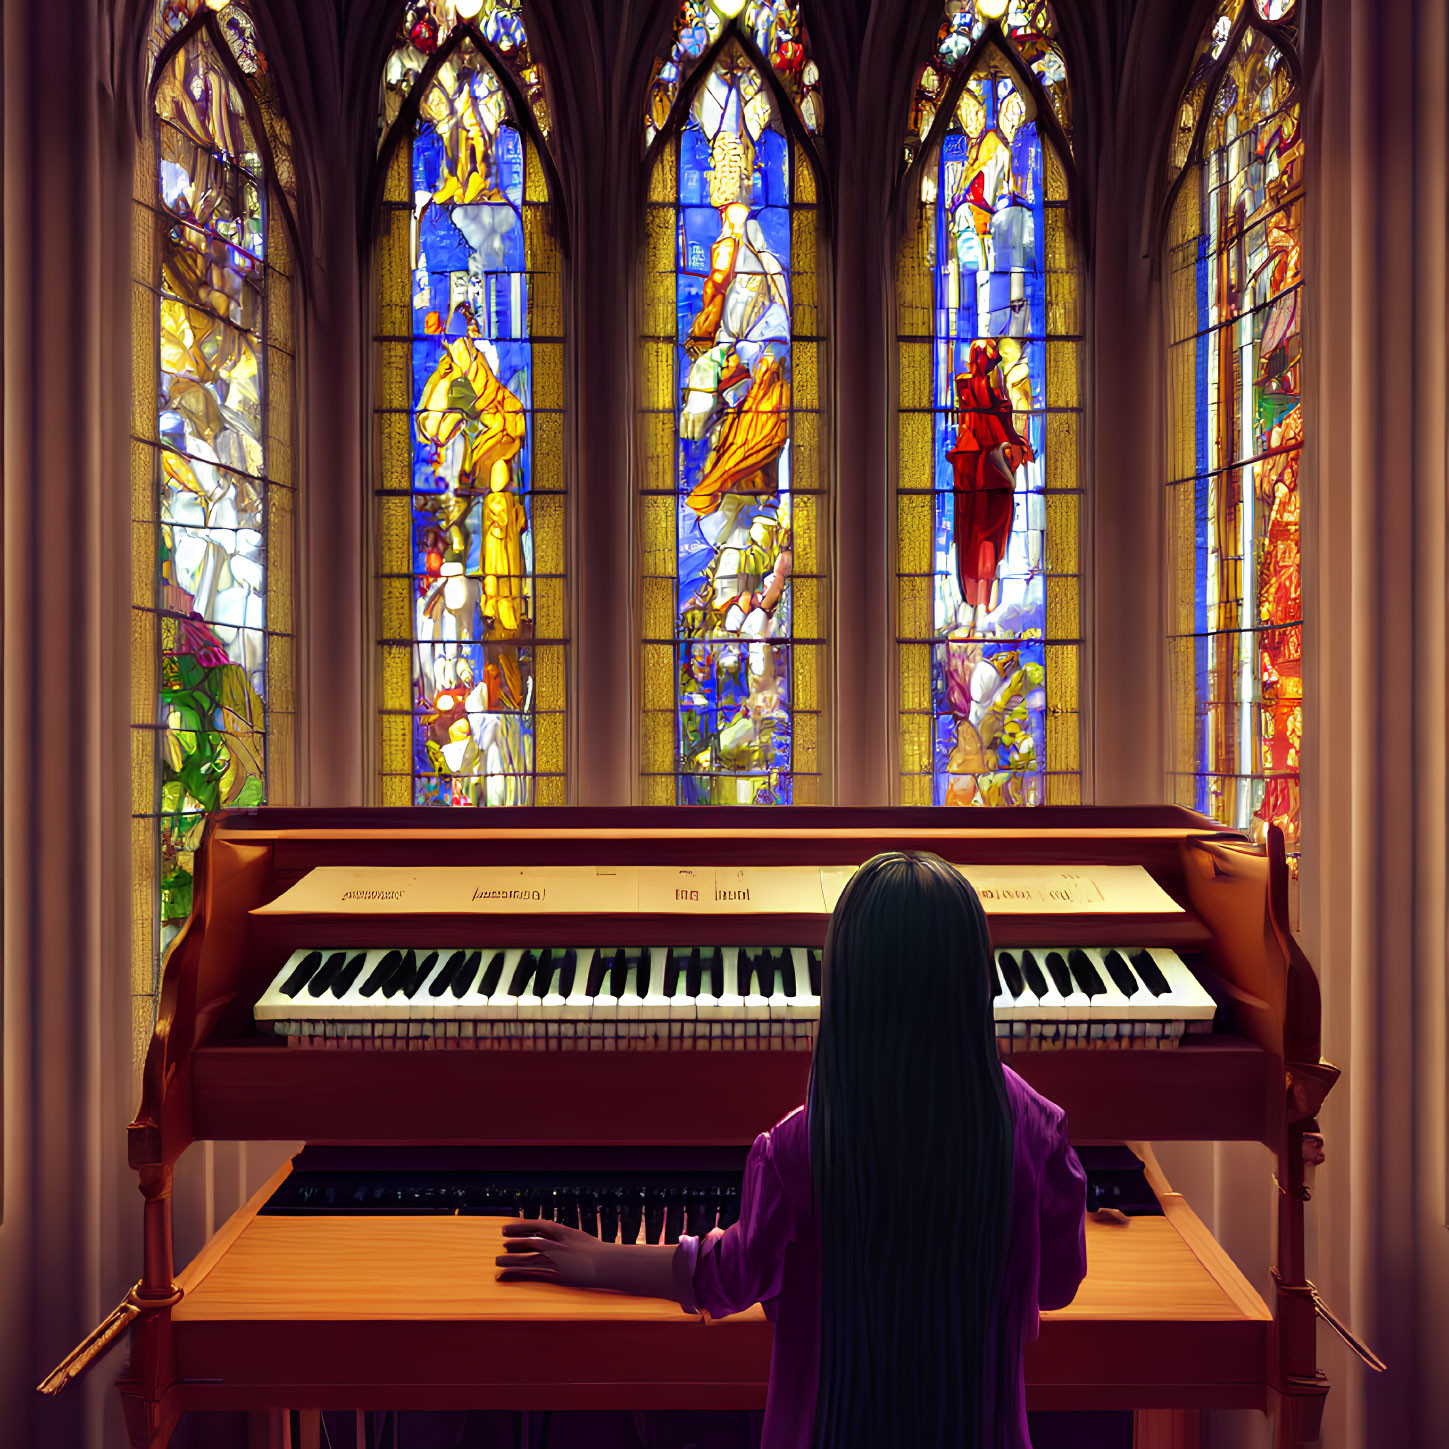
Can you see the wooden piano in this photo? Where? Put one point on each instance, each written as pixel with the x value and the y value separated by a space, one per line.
pixel 569 993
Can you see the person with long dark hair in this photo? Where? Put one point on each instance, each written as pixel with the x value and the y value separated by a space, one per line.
pixel 901 1230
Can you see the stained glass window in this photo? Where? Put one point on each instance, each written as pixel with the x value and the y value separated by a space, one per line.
pixel 1236 426
pixel 1029 28
pixel 777 33
pixel 469 422
pixel 213 487
pixel 732 515
pixel 988 499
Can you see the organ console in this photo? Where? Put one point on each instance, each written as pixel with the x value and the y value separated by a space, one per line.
pixel 590 1014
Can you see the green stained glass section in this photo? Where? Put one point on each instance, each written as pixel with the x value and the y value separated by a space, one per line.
pixel 212 407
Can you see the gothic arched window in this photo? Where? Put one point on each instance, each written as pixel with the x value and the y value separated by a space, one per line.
pixel 213 485
pixel 468 436
pixel 988 496
pixel 1236 421
pixel 732 515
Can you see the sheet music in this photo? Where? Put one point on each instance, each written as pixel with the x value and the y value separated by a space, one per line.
pixel 1045 890
pixel 792 890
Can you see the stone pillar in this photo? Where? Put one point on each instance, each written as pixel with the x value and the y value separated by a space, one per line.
pixel 66 747
pixel 1374 869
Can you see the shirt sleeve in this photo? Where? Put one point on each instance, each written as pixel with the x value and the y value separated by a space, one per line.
pixel 733 1268
pixel 1063 1223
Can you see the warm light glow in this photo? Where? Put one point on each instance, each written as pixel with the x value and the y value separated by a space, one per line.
pixel 728 9
pixel 467 9
pixel 992 9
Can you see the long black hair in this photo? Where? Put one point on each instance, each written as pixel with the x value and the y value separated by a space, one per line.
pixel 911 1137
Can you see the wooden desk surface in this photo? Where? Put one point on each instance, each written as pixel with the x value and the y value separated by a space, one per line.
pixel 407 1312
pixel 394 1268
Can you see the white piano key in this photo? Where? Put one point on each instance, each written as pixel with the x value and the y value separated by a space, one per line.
pixel 654 1009
pixel 682 1008
pixel 804 1004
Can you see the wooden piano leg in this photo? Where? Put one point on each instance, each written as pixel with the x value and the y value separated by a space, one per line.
pixel 1165 1429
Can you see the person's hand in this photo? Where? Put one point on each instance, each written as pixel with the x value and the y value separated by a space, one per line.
pixel 539 1251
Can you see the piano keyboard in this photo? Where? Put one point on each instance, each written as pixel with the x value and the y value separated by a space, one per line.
pixel 725 998
pixel 650 1208
pixel 627 1207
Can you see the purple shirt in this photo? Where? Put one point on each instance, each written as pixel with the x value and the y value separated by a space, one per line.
pixel 771 1256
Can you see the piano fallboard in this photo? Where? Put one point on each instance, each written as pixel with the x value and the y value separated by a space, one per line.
pixel 1217 1088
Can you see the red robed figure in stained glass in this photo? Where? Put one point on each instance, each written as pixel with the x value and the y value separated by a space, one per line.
pixel 987 454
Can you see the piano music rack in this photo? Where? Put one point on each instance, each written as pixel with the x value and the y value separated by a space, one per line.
pixel 380 1312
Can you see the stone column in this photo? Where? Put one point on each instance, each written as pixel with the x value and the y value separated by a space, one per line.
pixel 1374 875
pixel 66 746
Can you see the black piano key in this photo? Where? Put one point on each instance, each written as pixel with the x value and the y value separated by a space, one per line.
pixel 693 971
pixel 463 977
pixel 654 1215
pixel 599 964
pixel 814 958
pixel 322 980
pixel 301 974
pixel 1151 973
pixel 379 973
pixel 695 1213
pixel 1088 978
pixel 400 975
pixel 764 979
pixel 544 973
pixel 787 971
pixel 1121 973
pixel 729 1207
pixel 673 1217
pixel 744 971
pixel 566 1207
pixel 493 974
pixel 343 982
pixel 642 971
pixel 765 972
pixel 1011 972
pixel 523 973
pixel 676 972
pixel 532 1203
pixel 444 979
pixel 609 1204
pixel 585 1211
pixel 1036 983
pixel 769 975
pixel 631 1215
pixel 1057 969
pixel 619 973
pixel 567 969
pixel 421 971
